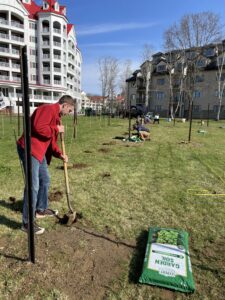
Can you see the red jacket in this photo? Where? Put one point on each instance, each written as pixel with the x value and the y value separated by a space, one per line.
pixel 44 132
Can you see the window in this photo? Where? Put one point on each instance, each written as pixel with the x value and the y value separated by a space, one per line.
pixel 201 63
pixel 34 77
pixel 190 54
pixel 222 78
pixel 160 95
pixel 221 93
pixel 221 61
pixel 199 78
pixel 33 52
pixel 4 91
pixel 196 108
pixel 161 81
pixel 161 68
pixel 196 94
pixel 32 25
pixel 209 52
pixel 158 108
pixel 33 39
pixel 215 108
pixel 33 65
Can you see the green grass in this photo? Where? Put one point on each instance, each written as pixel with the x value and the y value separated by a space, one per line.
pixel 150 184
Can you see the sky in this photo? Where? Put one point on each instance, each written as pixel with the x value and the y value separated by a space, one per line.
pixel 121 28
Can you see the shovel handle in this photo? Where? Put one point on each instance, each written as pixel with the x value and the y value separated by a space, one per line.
pixel 65 172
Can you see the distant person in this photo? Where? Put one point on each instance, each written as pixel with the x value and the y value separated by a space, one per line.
pixel 45 128
pixel 142 131
pixel 156 118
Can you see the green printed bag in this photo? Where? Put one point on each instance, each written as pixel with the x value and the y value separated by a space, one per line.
pixel 167 262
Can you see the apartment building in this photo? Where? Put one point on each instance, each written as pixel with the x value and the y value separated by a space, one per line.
pixel 54 59
pixel 176 77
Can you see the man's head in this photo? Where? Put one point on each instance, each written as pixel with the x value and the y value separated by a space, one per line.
pixel 66 103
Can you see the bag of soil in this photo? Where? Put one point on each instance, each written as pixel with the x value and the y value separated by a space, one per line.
pixel 167 262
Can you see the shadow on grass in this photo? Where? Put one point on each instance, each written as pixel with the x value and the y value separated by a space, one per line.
pixel 137 260
pixel 15 206
pixel 9 223
pixel 13 257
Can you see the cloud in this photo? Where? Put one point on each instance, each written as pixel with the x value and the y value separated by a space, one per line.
pixel 105 28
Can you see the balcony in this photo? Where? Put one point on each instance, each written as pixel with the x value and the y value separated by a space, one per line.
pixel 45 29
pixel 16 66
pixel 57 57
pixel 47 97
pixel 4 64
pixel 46 43
pixel 4 21
pixel 4 49
pixel 4 36
pixel 57 30
pixel 4 77
pixel 46 56
pixel 57 44
pixel 57 69
pixel 15 51
pixel 46 69
pixel 17 24
pixel 38 97
pixel 57 82
pixel 17 38
pixel 17 79
pixel 46 81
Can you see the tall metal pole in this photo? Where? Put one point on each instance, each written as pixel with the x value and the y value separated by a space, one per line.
pixel 190 125
pixel 18 116
pixel 28 161
pixel 208 116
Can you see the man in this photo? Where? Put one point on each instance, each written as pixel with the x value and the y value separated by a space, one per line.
pixel 45 127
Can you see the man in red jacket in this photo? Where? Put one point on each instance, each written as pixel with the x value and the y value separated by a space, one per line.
pixel 45 127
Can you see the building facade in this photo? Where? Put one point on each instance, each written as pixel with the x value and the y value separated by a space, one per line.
pixel 54 60
pixel 168 82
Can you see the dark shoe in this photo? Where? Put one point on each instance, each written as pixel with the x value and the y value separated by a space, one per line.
pixel 37 229
pixel 46 213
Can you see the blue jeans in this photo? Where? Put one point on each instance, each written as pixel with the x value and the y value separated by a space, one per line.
pixel 40 185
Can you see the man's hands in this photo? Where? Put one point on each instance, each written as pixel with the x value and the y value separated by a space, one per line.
pixel 60 128
pixel 64 158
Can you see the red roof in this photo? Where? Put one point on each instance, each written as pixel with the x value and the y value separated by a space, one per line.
pixel 69 27
pixel 34 9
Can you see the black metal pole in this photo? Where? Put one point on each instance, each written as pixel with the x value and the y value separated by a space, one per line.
pixel 129 116
pixel 10 111
pixel 75 119
pixel 190 125
pixel 28 161
pixel 18 116
pixel 208 116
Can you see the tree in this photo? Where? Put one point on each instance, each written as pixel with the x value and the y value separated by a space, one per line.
pixel 193 30
pixel 188 36
pixel 146 70
pixel 220 76
pixel 108 68
pixel 126 72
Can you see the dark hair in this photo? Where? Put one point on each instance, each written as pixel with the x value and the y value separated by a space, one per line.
pixel 66 99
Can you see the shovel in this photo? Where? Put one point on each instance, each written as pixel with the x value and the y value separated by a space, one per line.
pixel 70 217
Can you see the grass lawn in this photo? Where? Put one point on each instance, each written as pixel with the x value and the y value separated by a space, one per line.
pixel 125 188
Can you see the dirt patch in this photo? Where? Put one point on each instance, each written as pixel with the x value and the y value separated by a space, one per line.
pixel 55 196
pixel 105 174
pixel 87 151
pixel 75 262
pixel 80 166
pixel 191 144
pixel 104 150
pixel 109 143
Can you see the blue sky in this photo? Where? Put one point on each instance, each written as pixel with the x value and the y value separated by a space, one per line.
pixel 120 28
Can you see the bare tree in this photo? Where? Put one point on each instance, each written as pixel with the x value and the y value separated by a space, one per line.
pixel 126 72
pixel 108 67
pixel 220 76
pixel 193 30
pixel 146 70
pixel 188 36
